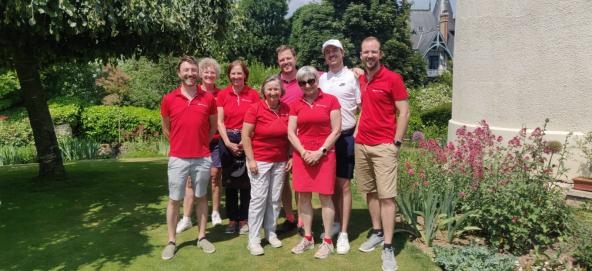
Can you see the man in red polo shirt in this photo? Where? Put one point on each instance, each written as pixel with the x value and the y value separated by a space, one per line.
pixel 189 122
pixel 378 139
pixel 286 58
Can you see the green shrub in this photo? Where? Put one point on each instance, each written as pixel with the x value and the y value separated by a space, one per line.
pixel 438 115
pixel 65 110
pixel 9 86
pixel 16 132
pixel 11 155
pixel 473 258
pixel 117 124
pixel 581 238
pixel 509 187
pixel 149 81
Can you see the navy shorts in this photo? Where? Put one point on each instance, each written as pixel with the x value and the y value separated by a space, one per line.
pixel 215 150
pixel 344 152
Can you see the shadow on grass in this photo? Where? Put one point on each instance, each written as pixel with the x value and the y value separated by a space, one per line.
pixel 97 217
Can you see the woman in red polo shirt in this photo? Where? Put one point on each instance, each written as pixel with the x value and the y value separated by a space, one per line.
pixel 233 102
pixel 313 127
pixel 265 141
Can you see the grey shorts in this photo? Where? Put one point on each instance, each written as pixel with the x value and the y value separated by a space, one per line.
pixel 196 168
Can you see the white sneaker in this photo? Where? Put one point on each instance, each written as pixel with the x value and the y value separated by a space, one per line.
pixel 342 243
pixel 274 241
pixel 216 219
pixel 184 224
pixel 255 249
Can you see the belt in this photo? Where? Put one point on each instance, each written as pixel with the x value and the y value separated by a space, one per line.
pixel 348 132
pixel 234 131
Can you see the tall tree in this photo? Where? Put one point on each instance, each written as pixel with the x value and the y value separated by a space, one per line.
pixel 37 33
pixel 353 20
pixel 260 27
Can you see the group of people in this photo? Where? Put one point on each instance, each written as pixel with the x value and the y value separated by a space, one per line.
pixel 304 124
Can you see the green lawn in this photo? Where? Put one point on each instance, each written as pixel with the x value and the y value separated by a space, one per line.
pixel 110 215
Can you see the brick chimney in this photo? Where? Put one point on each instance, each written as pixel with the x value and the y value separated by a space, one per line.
pixel 444 25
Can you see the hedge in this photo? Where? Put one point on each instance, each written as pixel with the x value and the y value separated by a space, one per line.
pixel 115 124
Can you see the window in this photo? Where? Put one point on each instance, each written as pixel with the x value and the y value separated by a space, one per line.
pixel 434 62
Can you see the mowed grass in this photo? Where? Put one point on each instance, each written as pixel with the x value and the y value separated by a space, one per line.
pixel 110 215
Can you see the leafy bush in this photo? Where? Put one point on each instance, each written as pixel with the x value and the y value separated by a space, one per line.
pixel 65 110
pixel 9 86
pixel 16 132
pixel 12 155
pixel 581 238
pixel 73 79
pixel 473 258
pixel 509 186
pixel 117 124
pixel 149 81
pixel 438 115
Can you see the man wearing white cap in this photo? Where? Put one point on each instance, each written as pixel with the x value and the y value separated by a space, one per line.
pixel 341 82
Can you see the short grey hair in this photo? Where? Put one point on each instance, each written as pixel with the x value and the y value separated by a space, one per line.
pixel 271 78
pixel 307 72
pixel 207 62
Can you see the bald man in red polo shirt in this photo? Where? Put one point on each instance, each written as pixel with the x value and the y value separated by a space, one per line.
pixel 378 139
pixel 189 122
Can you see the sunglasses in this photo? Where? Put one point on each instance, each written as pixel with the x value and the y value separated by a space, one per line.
pixel 309 81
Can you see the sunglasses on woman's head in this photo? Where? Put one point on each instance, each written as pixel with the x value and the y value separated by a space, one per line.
pixel 309 81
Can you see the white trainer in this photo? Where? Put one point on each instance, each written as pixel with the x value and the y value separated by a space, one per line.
pixel 216 219
pixel 342 243
pixel 184 224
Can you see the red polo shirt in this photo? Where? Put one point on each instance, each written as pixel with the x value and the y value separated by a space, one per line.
pixel 314 120
pixel 235 106
pixel 378 123
pixel 190 122
pixel 270 136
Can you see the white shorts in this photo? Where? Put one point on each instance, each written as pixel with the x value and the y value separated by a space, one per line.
pixel 196 168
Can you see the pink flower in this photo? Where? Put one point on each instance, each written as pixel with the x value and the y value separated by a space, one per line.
pixel 461 194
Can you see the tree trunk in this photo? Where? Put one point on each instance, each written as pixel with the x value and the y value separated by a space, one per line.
pixel 49 156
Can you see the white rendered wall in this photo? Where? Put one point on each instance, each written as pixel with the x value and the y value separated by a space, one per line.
pixel 518 62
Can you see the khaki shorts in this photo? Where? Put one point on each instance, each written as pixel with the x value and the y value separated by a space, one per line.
pixel 376 169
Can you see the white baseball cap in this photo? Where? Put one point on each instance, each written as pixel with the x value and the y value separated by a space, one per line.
pixel 332 42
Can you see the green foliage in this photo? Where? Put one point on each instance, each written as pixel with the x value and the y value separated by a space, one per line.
pixel 427 193
pixel 15 132
pixel 12 155
pixel 259 29
pixel 74 149
pixel 9 87
pixel 581 239
pixel 74 79
pixel 521 214
pixel 65 110
pixel 438 115
pixel 312 25
pixel 149 80
pixel 117 124
pixel 585 146
pixel 473 258
pixel 351 22
pixel 434 101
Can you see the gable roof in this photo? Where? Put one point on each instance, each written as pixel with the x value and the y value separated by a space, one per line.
pixel 425 27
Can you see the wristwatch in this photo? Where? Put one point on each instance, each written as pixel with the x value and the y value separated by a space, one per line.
pixel 398 143
pixel 324 150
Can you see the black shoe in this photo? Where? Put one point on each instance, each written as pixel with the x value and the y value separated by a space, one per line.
pixel 285 227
